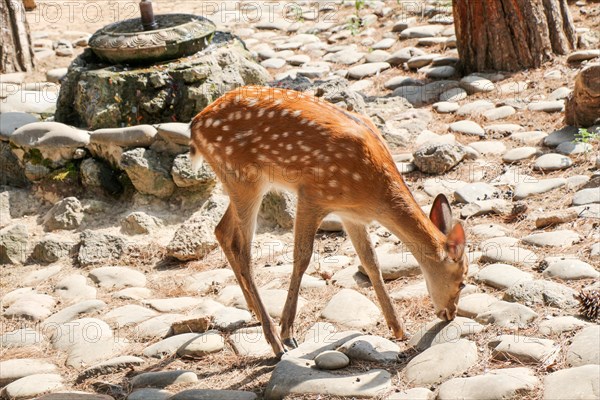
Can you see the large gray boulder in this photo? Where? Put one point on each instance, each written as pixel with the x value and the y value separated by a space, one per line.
pixel 14 244
pixel 169 91
pixel 195 238
pixel 203 180
pixel 66 214
pixel 149 172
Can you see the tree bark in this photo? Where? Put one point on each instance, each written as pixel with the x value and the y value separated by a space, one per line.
pixel 16 52
pixel 583 106
pixel 511 35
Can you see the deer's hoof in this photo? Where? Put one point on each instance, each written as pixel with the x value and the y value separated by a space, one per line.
pixel 291 343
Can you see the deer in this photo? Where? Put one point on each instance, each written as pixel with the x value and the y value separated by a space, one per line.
pixel 261 138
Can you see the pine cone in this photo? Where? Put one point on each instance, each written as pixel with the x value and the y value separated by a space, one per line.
pixel 589 304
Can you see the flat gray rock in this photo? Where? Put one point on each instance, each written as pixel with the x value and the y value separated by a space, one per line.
pixel 509 383
pixel 212 394
pixel 585 347
pixel 474 192
pixel 24 337
pixel 173 304
pixel 547 106
pixel 573 383
pixel 377 56
pixel 250 342
pixel 420 61
pixel 413 394
pixel 474 108
pixel 298 376
pixel 534 187
pixel 474 304
pixel 488 147
pixel 110 366
pixel 582 55
pixel 528 137
pixel 507 254
pixel 586 196
pixel 438 363
pixel 129 314
pixel 149 394
pixel 445 107
pixel 162 379
pixel 566 134
pixel 568 148
pixel 117 277
pixel 32 385
pixel 170 345
pixel 11 370
pixel 422 31
pixel 74 288
pixel 331 360
pixel 363 312
pixel 321 337
pixel 467 128
pixel 523 349
pixel 570 269
pixel 175 132
pixel 131 136
pixel 441 72
pixel 519 154
pixel 31 306
pixel 507 315
pixel 49 135
pixel 476 84
pixel 559 238
pixel 438 332
pixel 202 282
pixel 345 57
pixel 552 162
pixel 206 343
pixel 371 348
pixel 502 276
pixel 499 113
pixel 558 325
pixel 72 312
pixel 453 95
pixel 368 69
pixel 542 292
pixel 157 327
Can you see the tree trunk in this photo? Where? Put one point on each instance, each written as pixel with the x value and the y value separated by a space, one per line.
pixel 16 52
pixel 583 106
pixel 511 35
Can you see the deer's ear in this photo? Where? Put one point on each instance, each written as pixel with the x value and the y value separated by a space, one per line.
pixel 441 214
pixel 456 242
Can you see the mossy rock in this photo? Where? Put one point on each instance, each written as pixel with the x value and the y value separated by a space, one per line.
pixel 97 95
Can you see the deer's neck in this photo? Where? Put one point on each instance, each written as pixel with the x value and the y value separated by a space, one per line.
pixel 405 219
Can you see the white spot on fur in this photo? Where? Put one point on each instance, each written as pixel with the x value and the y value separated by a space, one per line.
pixel 356 176
pixel 229 150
